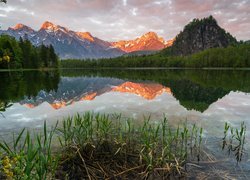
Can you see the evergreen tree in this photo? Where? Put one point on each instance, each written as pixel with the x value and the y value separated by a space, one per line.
pixel 53 57
pixel 23 54
pixel 44 55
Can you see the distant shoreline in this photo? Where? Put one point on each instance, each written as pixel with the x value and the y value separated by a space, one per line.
pixel 129 68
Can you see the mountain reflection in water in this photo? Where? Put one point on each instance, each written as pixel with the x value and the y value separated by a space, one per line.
pixel 146 90
pixel 37 95
pixel 195 90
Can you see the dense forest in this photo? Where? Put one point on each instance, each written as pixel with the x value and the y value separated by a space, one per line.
pixel 231 56
pixel 22 54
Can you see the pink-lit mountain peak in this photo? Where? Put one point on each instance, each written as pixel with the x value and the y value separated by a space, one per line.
pixel 49 26
pixel 149 41
pixel 21 27
pixel 150 35
pixel 86 35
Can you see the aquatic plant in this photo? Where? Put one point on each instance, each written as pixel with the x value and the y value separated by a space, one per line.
pixel 4 106
pixel 234 140
pixel 29 156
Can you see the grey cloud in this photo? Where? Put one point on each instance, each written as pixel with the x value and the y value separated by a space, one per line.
pixel 126 19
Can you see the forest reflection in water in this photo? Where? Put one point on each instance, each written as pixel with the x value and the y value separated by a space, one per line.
pixel 27 96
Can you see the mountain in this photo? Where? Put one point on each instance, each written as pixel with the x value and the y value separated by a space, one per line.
pixel 69 44
pixel 20 30
pixel 148 42
pixel 198 35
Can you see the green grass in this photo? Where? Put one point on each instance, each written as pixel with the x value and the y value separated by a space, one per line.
pixel 99 146
pixel 29 156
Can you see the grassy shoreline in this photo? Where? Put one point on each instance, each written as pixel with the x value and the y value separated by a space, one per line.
pixel 101 146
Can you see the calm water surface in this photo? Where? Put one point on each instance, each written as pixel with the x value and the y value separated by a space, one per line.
pixel 208 98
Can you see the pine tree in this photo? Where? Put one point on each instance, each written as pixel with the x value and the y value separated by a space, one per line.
pixel 53 57
pixel 44 55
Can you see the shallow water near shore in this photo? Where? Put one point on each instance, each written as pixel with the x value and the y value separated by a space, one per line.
pixel 208 98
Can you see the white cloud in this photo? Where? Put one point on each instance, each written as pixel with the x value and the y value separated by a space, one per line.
pixel 134 11
pixel 7 9
pixel 124 2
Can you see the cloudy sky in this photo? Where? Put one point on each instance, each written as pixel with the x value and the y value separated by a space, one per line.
pixel 127 19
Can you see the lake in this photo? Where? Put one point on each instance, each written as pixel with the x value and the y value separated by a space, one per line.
pixel 208 98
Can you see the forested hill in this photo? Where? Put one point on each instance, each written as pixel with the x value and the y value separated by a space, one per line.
pixel 198 35
pixel 22 54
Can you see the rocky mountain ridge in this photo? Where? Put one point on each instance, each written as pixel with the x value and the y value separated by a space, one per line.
pixel 69 44
pixel 147 42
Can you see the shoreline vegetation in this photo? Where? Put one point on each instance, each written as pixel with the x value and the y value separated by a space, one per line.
pixel 126 68
pixel 236 56
pixel 95 146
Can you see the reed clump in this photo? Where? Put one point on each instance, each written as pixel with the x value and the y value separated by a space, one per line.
pixel 103 146
pixel 234 140
pixel 95 146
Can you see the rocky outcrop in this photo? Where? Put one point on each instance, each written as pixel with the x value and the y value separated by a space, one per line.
pixel 198 35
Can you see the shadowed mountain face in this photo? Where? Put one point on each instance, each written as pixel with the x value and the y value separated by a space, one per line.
pixel 82 45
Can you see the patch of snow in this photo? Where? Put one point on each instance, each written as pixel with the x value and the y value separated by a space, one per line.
pixel 49 30
pixel 127 45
